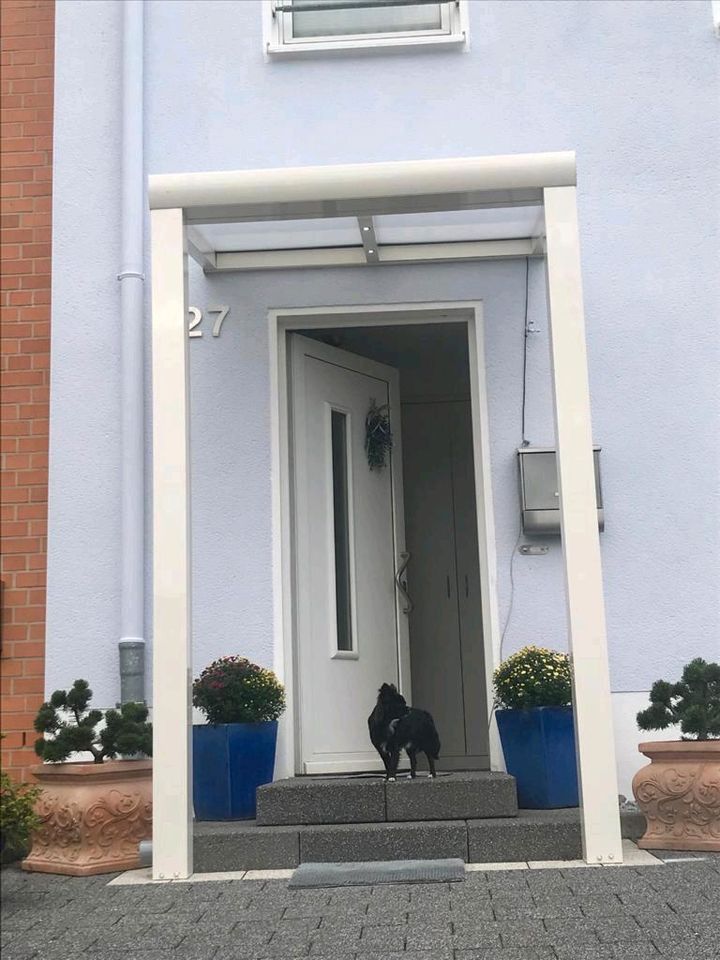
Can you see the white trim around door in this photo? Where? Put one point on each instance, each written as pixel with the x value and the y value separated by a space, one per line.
pixel 280 323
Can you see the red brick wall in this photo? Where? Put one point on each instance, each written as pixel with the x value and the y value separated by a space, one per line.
pixel 26 98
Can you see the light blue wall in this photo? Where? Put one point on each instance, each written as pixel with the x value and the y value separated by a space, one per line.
pixel 632 87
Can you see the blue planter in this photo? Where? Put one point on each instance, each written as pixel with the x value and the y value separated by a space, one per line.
pixel 539 748
pixel 230 761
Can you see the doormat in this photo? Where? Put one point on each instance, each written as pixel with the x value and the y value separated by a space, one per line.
pixel 379 871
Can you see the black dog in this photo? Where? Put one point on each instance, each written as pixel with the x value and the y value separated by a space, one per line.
pixel 394 726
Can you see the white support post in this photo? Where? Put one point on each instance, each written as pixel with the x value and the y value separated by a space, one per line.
pixel 600 815
pixel 172 748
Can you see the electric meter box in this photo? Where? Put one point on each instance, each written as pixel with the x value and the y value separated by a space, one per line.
pixel 540 493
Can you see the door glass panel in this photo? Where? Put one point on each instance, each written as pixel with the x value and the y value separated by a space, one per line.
pixel 341 517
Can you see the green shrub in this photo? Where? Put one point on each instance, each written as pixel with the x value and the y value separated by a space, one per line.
pixel 693 703
pixel 126 730
pixel 234 690
pixel 533 677
pixel 17 816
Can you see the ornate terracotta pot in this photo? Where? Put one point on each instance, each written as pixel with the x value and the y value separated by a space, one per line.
pixel 679 793
pixel 93 817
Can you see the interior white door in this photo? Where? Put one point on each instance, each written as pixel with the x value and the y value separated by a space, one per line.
pixel 446 636
pixel 349 533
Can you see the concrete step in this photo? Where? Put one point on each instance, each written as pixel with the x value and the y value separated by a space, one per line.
pixel 531 835
pixel 536 835
pixel 369 799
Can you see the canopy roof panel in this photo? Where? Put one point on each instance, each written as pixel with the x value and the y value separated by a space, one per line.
pixel 448 226
pixel 281 234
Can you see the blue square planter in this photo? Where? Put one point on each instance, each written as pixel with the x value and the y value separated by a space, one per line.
pixel 230 761
pixel 539 748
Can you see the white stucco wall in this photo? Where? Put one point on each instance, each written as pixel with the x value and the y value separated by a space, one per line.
pixel 632 87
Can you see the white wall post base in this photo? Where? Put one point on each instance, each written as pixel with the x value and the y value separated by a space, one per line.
pixel 172 662
pixel 600 815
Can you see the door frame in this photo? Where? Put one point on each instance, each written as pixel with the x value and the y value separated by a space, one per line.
pixel 282 321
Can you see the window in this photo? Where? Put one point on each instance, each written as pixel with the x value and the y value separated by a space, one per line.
pixel 297 26
pixel 339 440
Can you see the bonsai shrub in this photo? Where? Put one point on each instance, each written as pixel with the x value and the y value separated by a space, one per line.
pixel 70 727
pixel 533 677
pixel 234 690
pixel 693 703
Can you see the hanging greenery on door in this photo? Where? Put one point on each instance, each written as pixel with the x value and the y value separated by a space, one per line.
pixel 378 438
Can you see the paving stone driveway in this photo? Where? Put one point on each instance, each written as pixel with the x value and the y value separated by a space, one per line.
pixel 624 913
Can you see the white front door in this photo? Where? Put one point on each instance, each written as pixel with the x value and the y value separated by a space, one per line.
pixel 351 631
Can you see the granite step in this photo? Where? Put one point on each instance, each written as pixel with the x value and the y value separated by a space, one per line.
pixel 369 799
pixel 531 835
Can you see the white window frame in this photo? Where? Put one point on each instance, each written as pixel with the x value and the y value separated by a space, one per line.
pixel 278 39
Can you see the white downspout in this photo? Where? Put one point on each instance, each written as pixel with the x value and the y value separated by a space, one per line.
pixel 131 277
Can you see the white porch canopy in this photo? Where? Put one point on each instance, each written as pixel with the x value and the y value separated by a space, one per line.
pixel 469 208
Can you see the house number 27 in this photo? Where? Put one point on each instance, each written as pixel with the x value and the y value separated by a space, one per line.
pixel 197 318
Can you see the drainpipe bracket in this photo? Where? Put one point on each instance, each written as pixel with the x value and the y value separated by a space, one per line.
pixel 124 274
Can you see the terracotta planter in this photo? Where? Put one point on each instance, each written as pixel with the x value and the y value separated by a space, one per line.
pixel 93 817
pixel 679 793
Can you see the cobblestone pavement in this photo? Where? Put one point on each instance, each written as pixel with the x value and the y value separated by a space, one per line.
pixel 624 913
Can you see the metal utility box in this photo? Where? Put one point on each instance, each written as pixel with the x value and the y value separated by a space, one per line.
pixel 539 493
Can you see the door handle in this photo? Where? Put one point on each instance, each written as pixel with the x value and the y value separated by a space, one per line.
pixel 402 587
